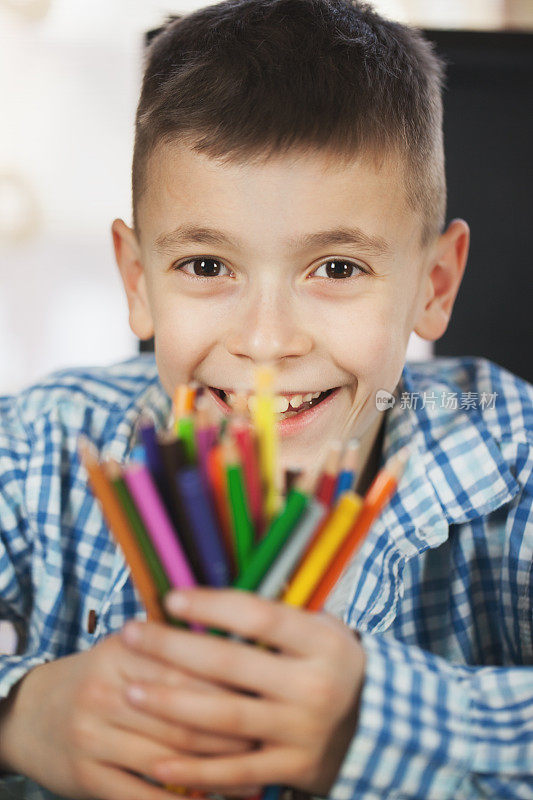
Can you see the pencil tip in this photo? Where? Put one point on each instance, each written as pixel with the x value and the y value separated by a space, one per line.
pixel 86 449
pixel 112 469
pixel 398 462
pixel 264 378
pixel 306 481
pixel 351 455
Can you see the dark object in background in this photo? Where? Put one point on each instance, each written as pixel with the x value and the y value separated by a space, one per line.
pixel 488 139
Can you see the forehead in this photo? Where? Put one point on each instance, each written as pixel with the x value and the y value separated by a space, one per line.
pixel 279 196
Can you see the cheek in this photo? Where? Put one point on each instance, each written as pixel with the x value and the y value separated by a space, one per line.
pixel 370 344
pixel 185 331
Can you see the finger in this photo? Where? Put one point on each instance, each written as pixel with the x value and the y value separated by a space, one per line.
pixel 238 791
pixel 109 783
pixel 291 630
pixel 180 737
pixel 115 709
pixel 214 658
pixel 227 714
pixel 266 766
pixel 146 666
pixel 129 750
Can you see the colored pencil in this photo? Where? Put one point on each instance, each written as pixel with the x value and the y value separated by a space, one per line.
pixel 207 537
pixel 152 454
pixel 346 478
pixel 264 417
pixel 219 493
pixel 186 432
pixel 378 495
pixel 270 545
pixel 291 475
pixel 137 454
pixel 157 523
pixel 328 479
pixel 206 434
pixel 183 400
pixel 120 528
pixel 173 458
pixel 287 561
pixel 321 554
pixel 243 529
pixel 153 562
pixel 248 451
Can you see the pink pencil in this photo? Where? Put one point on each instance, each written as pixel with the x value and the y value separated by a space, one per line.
pixel 153 513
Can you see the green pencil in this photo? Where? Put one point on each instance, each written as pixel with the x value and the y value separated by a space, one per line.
pixel 243 529
pixel 139 531
pixel 153 563
pixel 185 431
pixel 268 548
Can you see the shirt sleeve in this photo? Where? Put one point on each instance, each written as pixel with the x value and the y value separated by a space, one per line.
pixel 16 593
pixel 428 729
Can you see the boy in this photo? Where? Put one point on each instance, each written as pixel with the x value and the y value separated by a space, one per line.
pixel 288 200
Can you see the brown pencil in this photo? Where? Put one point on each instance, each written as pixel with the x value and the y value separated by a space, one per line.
pixel 120 528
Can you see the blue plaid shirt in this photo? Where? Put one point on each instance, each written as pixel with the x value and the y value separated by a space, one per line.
pixel 441 590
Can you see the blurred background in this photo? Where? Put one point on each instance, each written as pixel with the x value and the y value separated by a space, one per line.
pixel 70 73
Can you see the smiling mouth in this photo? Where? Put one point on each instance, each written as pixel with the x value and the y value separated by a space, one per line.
pixel 286 405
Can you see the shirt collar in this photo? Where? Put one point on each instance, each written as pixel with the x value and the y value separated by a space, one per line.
pixel 456 465
pixel 151 401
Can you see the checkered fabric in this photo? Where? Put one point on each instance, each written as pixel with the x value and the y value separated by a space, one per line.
pixel 441 590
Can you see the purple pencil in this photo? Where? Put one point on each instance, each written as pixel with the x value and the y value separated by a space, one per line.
pixel 154 515
pixel 206 436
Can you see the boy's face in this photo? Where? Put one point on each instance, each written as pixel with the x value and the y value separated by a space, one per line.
pixel 314 267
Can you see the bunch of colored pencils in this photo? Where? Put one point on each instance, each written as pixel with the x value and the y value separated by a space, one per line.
pixel 199 504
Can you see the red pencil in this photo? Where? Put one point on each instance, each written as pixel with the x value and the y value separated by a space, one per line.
pixel 328 479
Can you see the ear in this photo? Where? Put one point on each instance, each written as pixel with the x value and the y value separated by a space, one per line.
pixel 446 268
pixel 128 257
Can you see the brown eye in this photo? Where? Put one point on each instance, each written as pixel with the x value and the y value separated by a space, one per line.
pixel 337 269
pixel 204 268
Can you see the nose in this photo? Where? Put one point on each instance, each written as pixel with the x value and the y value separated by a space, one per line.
pixel 266 328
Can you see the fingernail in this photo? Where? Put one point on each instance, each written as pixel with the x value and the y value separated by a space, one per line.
pixel 177 602
pixel 131 633
pixel 136 693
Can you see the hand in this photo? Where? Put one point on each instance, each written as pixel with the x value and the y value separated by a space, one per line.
pixel 70 728
pixel 298 705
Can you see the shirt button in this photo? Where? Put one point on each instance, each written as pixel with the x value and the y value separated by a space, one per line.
pixel 91 621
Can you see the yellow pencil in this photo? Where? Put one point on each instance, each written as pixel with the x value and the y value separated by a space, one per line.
pixel 264 417
pixel 323 551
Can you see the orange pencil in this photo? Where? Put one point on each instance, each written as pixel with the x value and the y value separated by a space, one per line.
pixel 183 400
pixel 216 470
pixel 379 493
pixel 119 527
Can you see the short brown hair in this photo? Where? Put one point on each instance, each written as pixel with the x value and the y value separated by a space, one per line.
pixel 246 79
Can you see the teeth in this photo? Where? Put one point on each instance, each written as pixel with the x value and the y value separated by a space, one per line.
pixel 281 404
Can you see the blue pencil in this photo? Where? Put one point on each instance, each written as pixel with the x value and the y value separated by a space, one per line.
pixel 347 475
pixel 207 537
pixel 151 450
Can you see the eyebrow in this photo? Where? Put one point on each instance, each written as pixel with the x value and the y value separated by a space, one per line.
pixel 190 234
